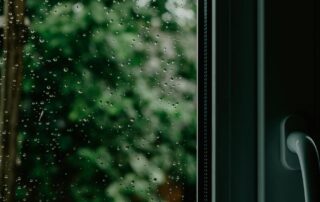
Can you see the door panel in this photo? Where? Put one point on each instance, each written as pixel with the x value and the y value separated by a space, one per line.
pixel 289 88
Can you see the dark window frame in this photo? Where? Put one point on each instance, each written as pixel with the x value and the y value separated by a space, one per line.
pixel 205 70
pixel 235 103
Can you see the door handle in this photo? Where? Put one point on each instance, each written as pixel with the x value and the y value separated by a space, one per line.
pixel 304 147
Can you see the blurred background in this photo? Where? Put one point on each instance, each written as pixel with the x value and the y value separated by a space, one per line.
pixel 108 111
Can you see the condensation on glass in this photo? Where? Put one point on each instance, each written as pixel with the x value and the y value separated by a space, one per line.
pixel 98 100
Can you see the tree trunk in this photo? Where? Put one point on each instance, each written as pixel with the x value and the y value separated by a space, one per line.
pixel 11 77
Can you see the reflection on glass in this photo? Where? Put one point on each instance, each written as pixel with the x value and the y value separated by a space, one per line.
pixel 108 101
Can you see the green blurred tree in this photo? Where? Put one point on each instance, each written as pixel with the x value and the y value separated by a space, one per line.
pixel 109 101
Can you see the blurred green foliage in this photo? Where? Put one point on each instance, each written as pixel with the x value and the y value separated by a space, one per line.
pixel 108 111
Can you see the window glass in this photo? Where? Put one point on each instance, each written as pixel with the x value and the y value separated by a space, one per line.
pixel 107 101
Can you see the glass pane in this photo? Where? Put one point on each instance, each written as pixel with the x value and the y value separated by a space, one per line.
pixel 98 100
